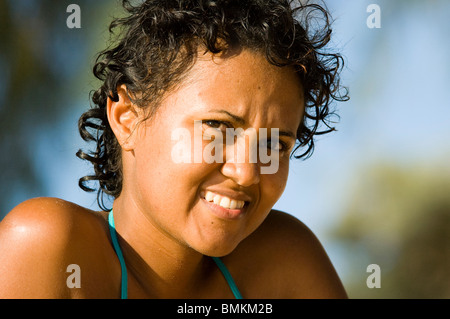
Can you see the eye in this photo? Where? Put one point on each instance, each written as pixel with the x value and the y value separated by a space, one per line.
pixel 278 146
pixel 218 125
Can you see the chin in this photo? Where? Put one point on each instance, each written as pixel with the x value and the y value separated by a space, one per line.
pixel 216 237
pixel 215 249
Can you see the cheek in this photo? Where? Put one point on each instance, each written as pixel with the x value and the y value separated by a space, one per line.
pixel 165 183
pixel 273 185
pixel 165 161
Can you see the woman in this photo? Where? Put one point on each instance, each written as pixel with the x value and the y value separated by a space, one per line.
pixel 192 213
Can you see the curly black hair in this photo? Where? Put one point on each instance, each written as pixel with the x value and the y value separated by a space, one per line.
pixel 158 41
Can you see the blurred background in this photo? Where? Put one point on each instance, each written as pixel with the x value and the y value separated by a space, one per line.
pixel 377 191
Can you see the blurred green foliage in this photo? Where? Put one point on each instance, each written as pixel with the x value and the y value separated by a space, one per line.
pixel 399 218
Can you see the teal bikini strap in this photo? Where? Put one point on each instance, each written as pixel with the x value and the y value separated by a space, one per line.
pixel 112 230
pixel 228 277
pixel 124 284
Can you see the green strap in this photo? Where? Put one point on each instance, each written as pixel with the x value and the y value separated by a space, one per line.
pixel 228 277
pixel 112 230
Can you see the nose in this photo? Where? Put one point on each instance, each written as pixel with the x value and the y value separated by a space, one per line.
pixel 241 164
pixel 244 174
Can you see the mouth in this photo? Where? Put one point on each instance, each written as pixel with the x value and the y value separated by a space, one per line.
pixel 225 207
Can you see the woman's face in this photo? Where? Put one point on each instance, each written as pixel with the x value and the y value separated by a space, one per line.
pixel 212 206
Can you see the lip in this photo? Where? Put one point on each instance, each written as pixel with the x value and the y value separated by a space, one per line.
pixel 225 213
pixel 231 194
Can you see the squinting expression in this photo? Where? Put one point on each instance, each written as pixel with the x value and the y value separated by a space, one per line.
pixel 213 206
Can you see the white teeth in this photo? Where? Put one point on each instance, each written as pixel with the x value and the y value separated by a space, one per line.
pixel 209 196
pixel 224 201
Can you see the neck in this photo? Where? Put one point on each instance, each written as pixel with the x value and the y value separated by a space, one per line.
pixel 161 265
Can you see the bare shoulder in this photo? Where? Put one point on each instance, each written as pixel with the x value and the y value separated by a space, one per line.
pixel 53 214
pixel 284 259
pixel 39 239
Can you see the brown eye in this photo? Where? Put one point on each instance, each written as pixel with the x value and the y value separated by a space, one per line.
pixel 219 125
pixel 278 146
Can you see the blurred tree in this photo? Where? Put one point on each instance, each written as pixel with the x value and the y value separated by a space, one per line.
pixel 45 67
pixel 399 219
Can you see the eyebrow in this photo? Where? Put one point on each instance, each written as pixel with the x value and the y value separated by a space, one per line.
pixel 236 118
pixel 241 121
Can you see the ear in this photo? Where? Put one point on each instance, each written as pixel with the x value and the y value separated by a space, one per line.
pixel 123 118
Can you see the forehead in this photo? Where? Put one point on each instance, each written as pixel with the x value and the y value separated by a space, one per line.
pixel 245 70
pixel 247 85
